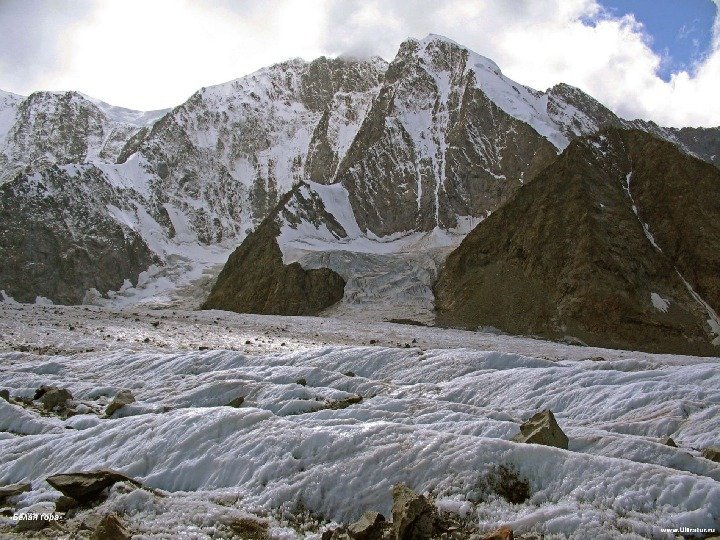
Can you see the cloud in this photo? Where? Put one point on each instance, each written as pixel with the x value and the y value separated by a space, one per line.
pixel 155 54
pixel 540 43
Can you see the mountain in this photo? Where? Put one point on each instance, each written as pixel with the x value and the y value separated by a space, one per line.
pixel 614 243
pixel 408 156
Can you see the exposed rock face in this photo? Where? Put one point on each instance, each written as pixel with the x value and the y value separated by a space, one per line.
pixel 542 428
pixel 370 526
pixel 413 515
pixel 58 240
pixel 111 528
pixel 124 397
pixel 712 453
pixel 615 243
pixel 255 280
pixel 86 487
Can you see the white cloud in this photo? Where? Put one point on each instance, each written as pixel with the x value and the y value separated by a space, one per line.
pixel 155 54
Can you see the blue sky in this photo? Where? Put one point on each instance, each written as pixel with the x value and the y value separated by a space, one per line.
pixel 680 31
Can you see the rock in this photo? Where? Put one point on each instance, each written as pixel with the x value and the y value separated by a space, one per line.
pixel 91 522
pixel 542 428
pixel 55 397
pixel 86 487
pixel 301 382
pixel 237 402
pixel 413 515
pixel 12 490
pixel 712 453
pixel 123 397
pixel 65 503
pixel 670 442
pixel 5 394
pixel 110 528
pixel 503 533
pixel 344 403
pixel 250 529
pixel 369 527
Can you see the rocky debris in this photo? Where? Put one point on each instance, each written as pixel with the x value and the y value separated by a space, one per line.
pixel 670 442
pixel 370 526
pixel 344 403
pixel 301 381
pixel 255 280
pixel 616 242
pixel 87 487
pixel 250 529
pixel 413 515
pixel 503 533
pixel 505 481
pixel 5 394
pixel 542 428
pixel 122 398
pixel 65 503
pixel 712 453
pixel 53 398
pixel 12 490
pixel 237 402
pixel 110 528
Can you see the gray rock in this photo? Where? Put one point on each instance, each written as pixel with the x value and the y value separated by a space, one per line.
pixel 110 528
pixel 12 490
pixel 413 515
pixel 369 527
pixel 542 428
pixel 55 398
pixel 87 487
pixel 124 397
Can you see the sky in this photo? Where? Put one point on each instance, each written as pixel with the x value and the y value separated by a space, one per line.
pixel 652 59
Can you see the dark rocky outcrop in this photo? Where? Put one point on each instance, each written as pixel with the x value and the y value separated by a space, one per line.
pixel 255 280
pixel 111 528
pixel 604 245
pixel 87 487
pixel 712 453
pixel 542 428
pixel 12 490
pixel 370 526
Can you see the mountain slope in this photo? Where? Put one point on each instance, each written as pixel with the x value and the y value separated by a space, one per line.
pixel 615 243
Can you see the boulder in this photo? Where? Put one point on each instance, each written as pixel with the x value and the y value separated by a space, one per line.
pixel 5 394
pixel 65 503
pixel 54 397
pixel 503 533
pixel 369 527
pixel 712 453
pixel 124 397
pixel 12 490
pixel 86 487
pixel 670 442
pixel 542 428
pixel 413 515
pixel 110 528
pixel 237 402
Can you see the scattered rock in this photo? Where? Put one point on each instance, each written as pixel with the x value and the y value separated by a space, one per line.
pixel 670 442
pixel 5 394
pixel 110 528
pixel 250 529
pixel 31 524
pixel 237 402
pixel 86 487
pixel 65 503
pixel 413 515
pixel 123 397
pixel 712 453
pixel 91 522
pixel 344 403
pixel 55 397
pixel 349 374
pixel 301 382
pixel 503 533
pixel 542 428
pixel 507 482
pixel 369 527
pixel 12 490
